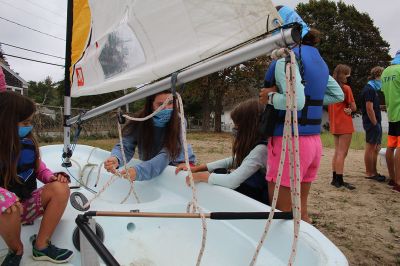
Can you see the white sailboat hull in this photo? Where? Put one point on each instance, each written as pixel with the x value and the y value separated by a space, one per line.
pixel 160 241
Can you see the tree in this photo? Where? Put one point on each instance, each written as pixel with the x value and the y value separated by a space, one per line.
pixel 224 88
pixel 347 37
pixel 43 92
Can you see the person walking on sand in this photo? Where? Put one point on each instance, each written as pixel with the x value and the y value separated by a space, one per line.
pixel 391 89
pixel 371 117
pixel 341 125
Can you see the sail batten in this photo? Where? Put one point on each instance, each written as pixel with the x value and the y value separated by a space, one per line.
pixel 135 42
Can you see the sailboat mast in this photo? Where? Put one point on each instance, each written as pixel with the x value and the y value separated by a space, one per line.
pixel 67 85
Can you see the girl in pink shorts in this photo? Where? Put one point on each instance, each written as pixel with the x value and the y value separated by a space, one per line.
pixel 21 201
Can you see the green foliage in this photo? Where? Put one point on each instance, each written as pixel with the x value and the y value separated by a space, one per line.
pixel 45 92
pixel 357 140
pixel 224 89
pixel 347 37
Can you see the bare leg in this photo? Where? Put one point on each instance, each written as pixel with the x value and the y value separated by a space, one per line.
pixel 305 189
pixel 370 159
pixel 397 166
pixel 341 153
pixel 284 202
pixel 390 162
pixel 336 139
pixel 375 157
pixel 54 199
pixel 12 232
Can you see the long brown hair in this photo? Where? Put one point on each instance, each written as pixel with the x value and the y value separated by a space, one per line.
pixel 14 108
pixel 246 118
pixel 340 73
pixel 145 129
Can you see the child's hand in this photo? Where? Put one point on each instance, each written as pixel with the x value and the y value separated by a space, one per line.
pixel 111 164
pixel 182 167
pixel 17 206
pixel 131 174
pixel 198 177
pixel 60 177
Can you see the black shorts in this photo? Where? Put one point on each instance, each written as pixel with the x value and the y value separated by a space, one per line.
pixel 373 134
pixel 394 129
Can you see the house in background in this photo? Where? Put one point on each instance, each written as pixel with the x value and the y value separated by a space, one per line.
pixel 13 80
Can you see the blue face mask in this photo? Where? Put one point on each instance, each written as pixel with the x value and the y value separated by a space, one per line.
pixel 162 118
pixel 24 131
pixel 376 84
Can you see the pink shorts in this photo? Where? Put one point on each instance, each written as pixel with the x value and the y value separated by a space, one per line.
pixel 32 207
pixel 310 157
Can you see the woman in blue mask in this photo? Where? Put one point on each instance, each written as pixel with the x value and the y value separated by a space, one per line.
pixel 371 116
pixel 158 140
pixel 21 200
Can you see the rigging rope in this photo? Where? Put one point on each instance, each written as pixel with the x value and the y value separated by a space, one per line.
pixel 291 109
pixel 193 204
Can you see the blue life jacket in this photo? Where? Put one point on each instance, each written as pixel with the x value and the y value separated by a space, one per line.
pixel 25 171
pixel 315 73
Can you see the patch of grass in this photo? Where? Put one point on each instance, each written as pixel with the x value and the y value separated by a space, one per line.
pixel 349 246
pixel 392 230
pixel 357 141
pixel 330 226
pixel 398 260
pixel 390 246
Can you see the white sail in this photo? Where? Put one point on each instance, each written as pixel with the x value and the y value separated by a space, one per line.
pixel 128 42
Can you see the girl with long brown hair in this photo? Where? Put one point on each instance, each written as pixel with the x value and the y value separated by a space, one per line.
pixel 244 171
pixel 158 140
pixel 341 125
pixel 21 201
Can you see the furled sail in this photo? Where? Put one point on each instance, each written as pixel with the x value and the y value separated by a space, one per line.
pixel 124 43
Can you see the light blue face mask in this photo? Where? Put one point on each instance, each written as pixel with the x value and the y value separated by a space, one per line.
pixel 376 84
pixel 24 131
pixel 162 118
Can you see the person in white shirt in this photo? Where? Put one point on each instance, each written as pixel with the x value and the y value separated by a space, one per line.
pixel 244 171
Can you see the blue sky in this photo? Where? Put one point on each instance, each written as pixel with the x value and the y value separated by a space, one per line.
pixel 49 16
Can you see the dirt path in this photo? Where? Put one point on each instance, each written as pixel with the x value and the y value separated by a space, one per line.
pixel 363 223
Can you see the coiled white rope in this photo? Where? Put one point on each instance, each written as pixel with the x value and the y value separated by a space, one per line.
pixel 291 107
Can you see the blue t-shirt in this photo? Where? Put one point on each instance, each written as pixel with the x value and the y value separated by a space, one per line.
pixel 368 94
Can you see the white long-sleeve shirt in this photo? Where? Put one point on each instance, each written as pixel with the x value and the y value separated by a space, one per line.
pixel 254 161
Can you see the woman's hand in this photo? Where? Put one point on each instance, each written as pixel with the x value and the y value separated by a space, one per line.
pixel 17 206
pixel 111 164
pixel 130 174
pixel 198 177
pixel 60 177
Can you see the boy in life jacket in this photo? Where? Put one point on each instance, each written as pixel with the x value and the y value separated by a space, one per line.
pixel 21 201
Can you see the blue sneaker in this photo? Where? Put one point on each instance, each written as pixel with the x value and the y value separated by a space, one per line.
pixel 12 259
pixel 51 253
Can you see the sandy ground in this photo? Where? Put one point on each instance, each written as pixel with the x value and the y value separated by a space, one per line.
pixel 363 223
